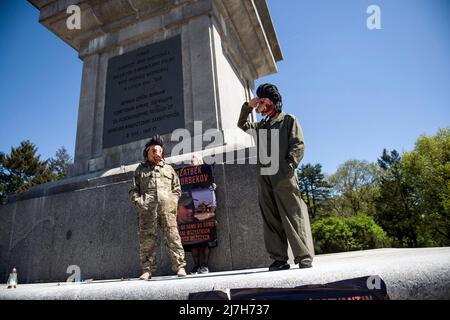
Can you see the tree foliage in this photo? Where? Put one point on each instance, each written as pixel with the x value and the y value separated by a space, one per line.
pixel 395 209
pixel 407 195
pixel 314 187
pixel 354 188
pixel 413 204
pixel 22 169
pixel 427 169
pixel 60 163
pixel 336 234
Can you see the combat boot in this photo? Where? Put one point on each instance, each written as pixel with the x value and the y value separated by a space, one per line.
pixel 145 276
pixel 181 272
pixel 279 265
pixel 305 263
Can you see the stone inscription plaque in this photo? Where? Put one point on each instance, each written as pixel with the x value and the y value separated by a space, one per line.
pixel 144 93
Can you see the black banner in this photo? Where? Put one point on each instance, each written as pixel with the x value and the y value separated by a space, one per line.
pixel 196 214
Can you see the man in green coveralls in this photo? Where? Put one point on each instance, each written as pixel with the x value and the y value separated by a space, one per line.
pixel 155 192
pixel 279 194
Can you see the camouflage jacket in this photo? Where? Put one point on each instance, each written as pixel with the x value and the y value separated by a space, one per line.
pixel 154 182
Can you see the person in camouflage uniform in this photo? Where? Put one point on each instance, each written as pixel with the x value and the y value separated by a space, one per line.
pixel 155 192
pixel 279 194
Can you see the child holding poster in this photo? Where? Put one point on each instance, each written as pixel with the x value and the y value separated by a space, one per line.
pixel 196 212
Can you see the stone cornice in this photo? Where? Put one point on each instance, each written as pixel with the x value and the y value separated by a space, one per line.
pixel 109 23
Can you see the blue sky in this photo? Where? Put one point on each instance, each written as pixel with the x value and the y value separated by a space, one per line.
pixel 354 90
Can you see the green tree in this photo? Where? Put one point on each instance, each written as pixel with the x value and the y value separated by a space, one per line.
pixel 337 234
pixel 428 170
pixel 396 211
pixel 354 188
pixel 22 169
pixel 314 187
pixel 60 163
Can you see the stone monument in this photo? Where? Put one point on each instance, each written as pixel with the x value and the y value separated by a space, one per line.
pixel 149 66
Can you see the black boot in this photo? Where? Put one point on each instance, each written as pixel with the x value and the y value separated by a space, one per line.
pixel 279 265
pixel 305 263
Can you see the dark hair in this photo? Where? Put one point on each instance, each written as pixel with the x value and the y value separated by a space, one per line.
pixel 268 90
pixel 155 140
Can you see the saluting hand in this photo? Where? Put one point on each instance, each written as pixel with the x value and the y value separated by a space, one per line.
pixel 254 102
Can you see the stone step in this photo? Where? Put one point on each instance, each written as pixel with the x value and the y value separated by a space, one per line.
pixel 408 273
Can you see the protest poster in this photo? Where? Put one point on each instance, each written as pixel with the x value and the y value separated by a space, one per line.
pixel 196 213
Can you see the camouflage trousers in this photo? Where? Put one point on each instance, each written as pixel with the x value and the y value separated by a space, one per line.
pixel 164 215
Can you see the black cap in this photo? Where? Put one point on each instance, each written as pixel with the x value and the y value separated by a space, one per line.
pixel 270 91
pixel 155 140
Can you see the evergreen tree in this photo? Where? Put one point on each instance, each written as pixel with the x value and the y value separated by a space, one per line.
pixel 22 169
pixel 395 209
pixel 60 163
pixel 314 187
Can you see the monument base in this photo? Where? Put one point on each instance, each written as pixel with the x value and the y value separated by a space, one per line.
pixel 88 221
pixel 408 274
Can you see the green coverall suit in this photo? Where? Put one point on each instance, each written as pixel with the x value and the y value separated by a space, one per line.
pixel 279 194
